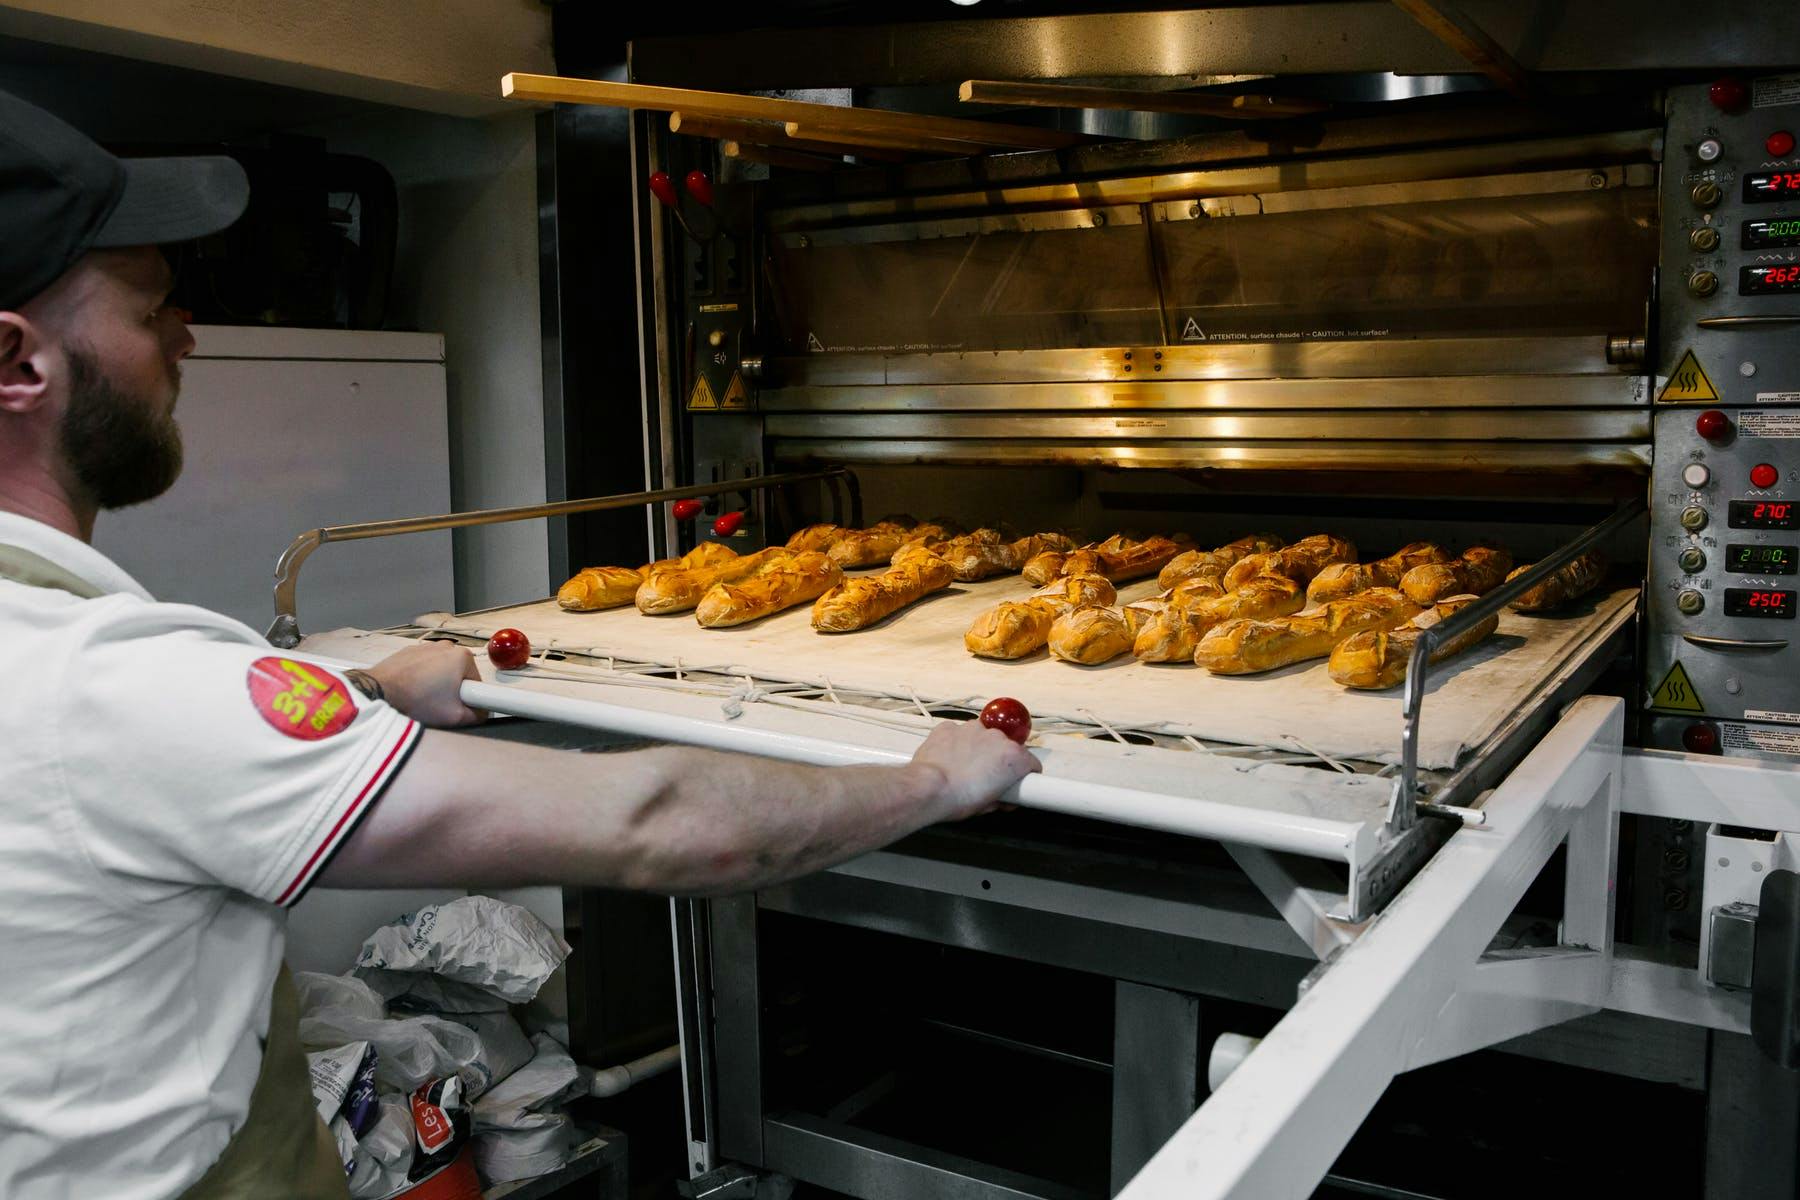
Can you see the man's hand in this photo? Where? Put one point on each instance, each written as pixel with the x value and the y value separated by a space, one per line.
pixel 425 682
pixel 978 765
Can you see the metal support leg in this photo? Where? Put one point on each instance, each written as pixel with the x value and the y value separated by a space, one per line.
pixel 1156 1084
pixel 737 1030
pixel 1752 1123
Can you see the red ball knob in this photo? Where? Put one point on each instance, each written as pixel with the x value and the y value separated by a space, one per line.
pixel 1728 94
pixel 688 509
pixel 509 649
pixel 1762 475
pixel 1700 738
pixel 663 188
pixel 1712 425
pixel 1009 717
pixel 700 187
pixel 1779 144
pixel 728 524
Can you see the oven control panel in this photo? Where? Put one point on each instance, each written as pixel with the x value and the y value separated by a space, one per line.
pixel 1722 645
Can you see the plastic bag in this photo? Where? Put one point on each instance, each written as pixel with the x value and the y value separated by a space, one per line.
pixel 477 940
pixel 520 1131
pixel 332 1073
pixel 344 993
pixel 384 1153
pixel 409 1051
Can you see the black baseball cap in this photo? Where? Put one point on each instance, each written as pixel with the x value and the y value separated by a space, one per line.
pixel 61 195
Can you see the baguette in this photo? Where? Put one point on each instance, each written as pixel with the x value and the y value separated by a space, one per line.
pixel 1190 563
pixel 815 538
pixel 1246 646
pixel 789 582
pixel 594 588
pixel 677 589
pixel 1173 635
pixel 875 546
pixel 1569 582
pixel 1480 569
pixel 858 603
pixel 1346 579
pixel 1298 562
pixel 1378 658
pixel 1091 636
pixel 974 556
pixel 1015 628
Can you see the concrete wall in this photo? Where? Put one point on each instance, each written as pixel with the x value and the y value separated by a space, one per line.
pixel 438 55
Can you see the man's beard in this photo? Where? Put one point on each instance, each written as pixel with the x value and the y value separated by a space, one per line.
pixel 121 450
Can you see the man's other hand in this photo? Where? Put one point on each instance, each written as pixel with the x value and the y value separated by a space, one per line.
pixel 425 682
pixel 979 766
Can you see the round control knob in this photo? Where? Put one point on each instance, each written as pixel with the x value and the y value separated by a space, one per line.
pixel 1728 94
pixel 1689 602
pixel 1703 283
pixel 1695 475
pixel 1704 239
pixel 1762 475
pixel 1712 425
pixel 1692 560
pixel 1779 144
pixel 1706 194
pixel 1708 150
pixel 1693 518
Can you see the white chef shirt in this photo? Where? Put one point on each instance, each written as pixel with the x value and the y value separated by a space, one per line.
pixel 169 784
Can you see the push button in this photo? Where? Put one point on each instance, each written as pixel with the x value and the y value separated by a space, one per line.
pixel 1762 475
pixel 1696 475
pixel 1779 144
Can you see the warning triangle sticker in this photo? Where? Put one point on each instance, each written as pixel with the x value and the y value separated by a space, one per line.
pixel 1676 692
pixel 813 343
pixel 1688 381
pixel 735 395
pixel 702 395
pixel 1191 332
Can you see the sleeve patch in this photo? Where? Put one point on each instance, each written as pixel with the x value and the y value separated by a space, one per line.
pixel 299 699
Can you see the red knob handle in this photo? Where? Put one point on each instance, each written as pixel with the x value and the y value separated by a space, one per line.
pixel 686 509
pixel 700 187
pixel 728 524
pixel 1009 717
pixel 663 188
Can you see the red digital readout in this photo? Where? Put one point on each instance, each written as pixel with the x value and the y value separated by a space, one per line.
pixel 1778 181
pixel 1764 511
pixel 1771 600
pixel 1781 275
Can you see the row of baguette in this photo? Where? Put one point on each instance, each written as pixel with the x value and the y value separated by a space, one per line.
pixel 1255 605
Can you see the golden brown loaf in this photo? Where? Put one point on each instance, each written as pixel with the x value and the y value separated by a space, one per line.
pixel 858 603
pixel 876 544
pixel 1299 562
pixel 978 555
pixel 1479 569
pixel 677 589
pixel 1191 563
pixel 1378 658
pixel 1091 636
pixel 1246 646
pixel 1011 629
pixel 1044 566
pixel 1346 579
pixel 815 538
pixel 1569 582
pixel 1173 634
pixel 788 582
pixel 594 588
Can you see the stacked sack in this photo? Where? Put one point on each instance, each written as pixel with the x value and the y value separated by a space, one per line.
pixel 417 1053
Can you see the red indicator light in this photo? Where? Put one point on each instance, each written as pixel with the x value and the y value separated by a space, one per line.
pixel 1700 738
pixel 1763 475
pixel 1728 94
pixel 1712 425
pixel 1779 144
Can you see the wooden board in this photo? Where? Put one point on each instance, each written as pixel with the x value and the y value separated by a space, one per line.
pixel 1199 104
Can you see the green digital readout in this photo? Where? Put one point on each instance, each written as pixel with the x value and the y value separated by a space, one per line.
pixel 1761 560
pixel 1775 233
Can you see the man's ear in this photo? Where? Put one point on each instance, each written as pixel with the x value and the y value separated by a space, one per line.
pixel 22 383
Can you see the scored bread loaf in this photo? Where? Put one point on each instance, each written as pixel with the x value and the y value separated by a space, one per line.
pixel 1346 579
pixel 595 588
pixel 1247 645
pixel 1378 658
pixel 1478 570
pixel 677 589
pixel 1300 561
pixel 815 538
pixel 1015 628
pixel 858 603
pixel 1191 563
pixel 1569 582
pixel 788 582
pixel 1091 636
pixel 972 557
pixel 1173 634
pixel 875 546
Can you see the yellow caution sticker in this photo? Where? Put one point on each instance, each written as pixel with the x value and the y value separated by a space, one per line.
pixel 1688 381
pixel 735 395
pixel 1676 692
pixel 702 395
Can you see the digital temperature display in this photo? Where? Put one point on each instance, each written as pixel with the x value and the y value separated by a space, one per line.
pixel 1773 234
pixel 1754 602
pixel 1766 187
pixel 1761 514
pixel 1760 560
pixel 1755 281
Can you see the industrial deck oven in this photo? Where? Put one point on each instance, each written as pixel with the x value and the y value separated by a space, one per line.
pixel 1235 909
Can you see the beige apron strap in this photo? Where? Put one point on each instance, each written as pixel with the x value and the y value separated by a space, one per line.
pixel 283 1151
pixel 22 566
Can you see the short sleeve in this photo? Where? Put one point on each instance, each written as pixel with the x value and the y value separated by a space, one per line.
pixel 190 757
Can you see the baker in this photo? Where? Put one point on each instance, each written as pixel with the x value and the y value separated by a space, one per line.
pixel 170 784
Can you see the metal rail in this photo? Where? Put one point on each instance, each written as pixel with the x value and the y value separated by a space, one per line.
pixel 285 630
pixel 1402 811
